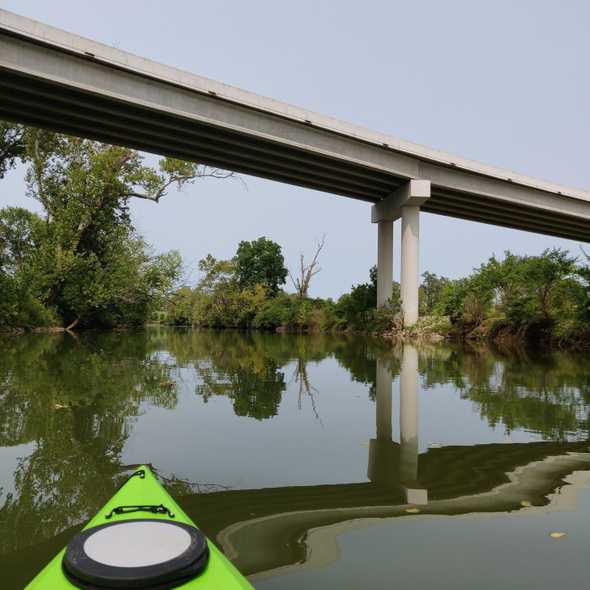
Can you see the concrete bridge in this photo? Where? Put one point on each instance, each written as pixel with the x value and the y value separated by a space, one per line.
pixel 56 80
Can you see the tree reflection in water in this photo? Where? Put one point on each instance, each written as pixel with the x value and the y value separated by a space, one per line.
pixel 73 403
pixel 546 393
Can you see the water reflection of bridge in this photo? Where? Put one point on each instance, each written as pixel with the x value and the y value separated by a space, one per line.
pixel 266 529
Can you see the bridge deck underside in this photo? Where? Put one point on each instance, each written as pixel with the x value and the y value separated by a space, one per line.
pixel 41 103
pixel 45 104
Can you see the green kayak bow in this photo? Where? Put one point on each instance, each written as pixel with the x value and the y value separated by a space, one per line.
pixel 140 539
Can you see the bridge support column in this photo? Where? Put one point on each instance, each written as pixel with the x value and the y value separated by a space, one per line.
pixel 405 202
pixel 384 262
pixel 410 278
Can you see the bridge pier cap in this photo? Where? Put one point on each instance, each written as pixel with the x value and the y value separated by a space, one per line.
pixel 405 202
pixel 413 193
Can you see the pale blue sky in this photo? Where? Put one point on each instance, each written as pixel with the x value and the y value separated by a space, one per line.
pixel 502 82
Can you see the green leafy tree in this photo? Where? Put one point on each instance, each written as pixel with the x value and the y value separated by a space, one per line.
pixel 260 262
pixel 12 146
pixel 21 235
pixel 466 301
pixel 180 305
pixel 87 263
pixel 83 259
pixel 583 294
pixel 219 301
pixel 358 308
pixel 529 297
pixel 217 274
pixel 543 274
pixel 430 291
pixel 452 300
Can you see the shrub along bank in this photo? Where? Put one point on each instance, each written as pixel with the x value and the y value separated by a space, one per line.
pixel 539 300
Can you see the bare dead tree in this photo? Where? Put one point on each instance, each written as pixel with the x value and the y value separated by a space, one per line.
pixel 305 388
pixel 307 271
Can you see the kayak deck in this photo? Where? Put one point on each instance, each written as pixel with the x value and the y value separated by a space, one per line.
pixel 219 573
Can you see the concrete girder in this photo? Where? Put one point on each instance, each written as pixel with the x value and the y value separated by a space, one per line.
pixel 91 76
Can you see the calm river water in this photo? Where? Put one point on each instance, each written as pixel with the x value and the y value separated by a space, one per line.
pixel 312 461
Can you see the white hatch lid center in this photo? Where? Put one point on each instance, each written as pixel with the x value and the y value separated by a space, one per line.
pixel 137 544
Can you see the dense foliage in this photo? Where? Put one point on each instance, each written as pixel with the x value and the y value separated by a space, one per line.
pixel 222 299
pixel 81 261
pixel 260 262
pixel 12 146
pixel 535 298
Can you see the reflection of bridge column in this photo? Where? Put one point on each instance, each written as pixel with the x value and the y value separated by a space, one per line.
pixel 390 463
pixel 409 427
pixel 384 397
pixel 383 452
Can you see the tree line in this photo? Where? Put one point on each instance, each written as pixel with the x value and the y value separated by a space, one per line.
pixel 539 299
pixel 81 264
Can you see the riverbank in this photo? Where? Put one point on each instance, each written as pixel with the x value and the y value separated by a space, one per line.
pixel 561 335
pixel 386 326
